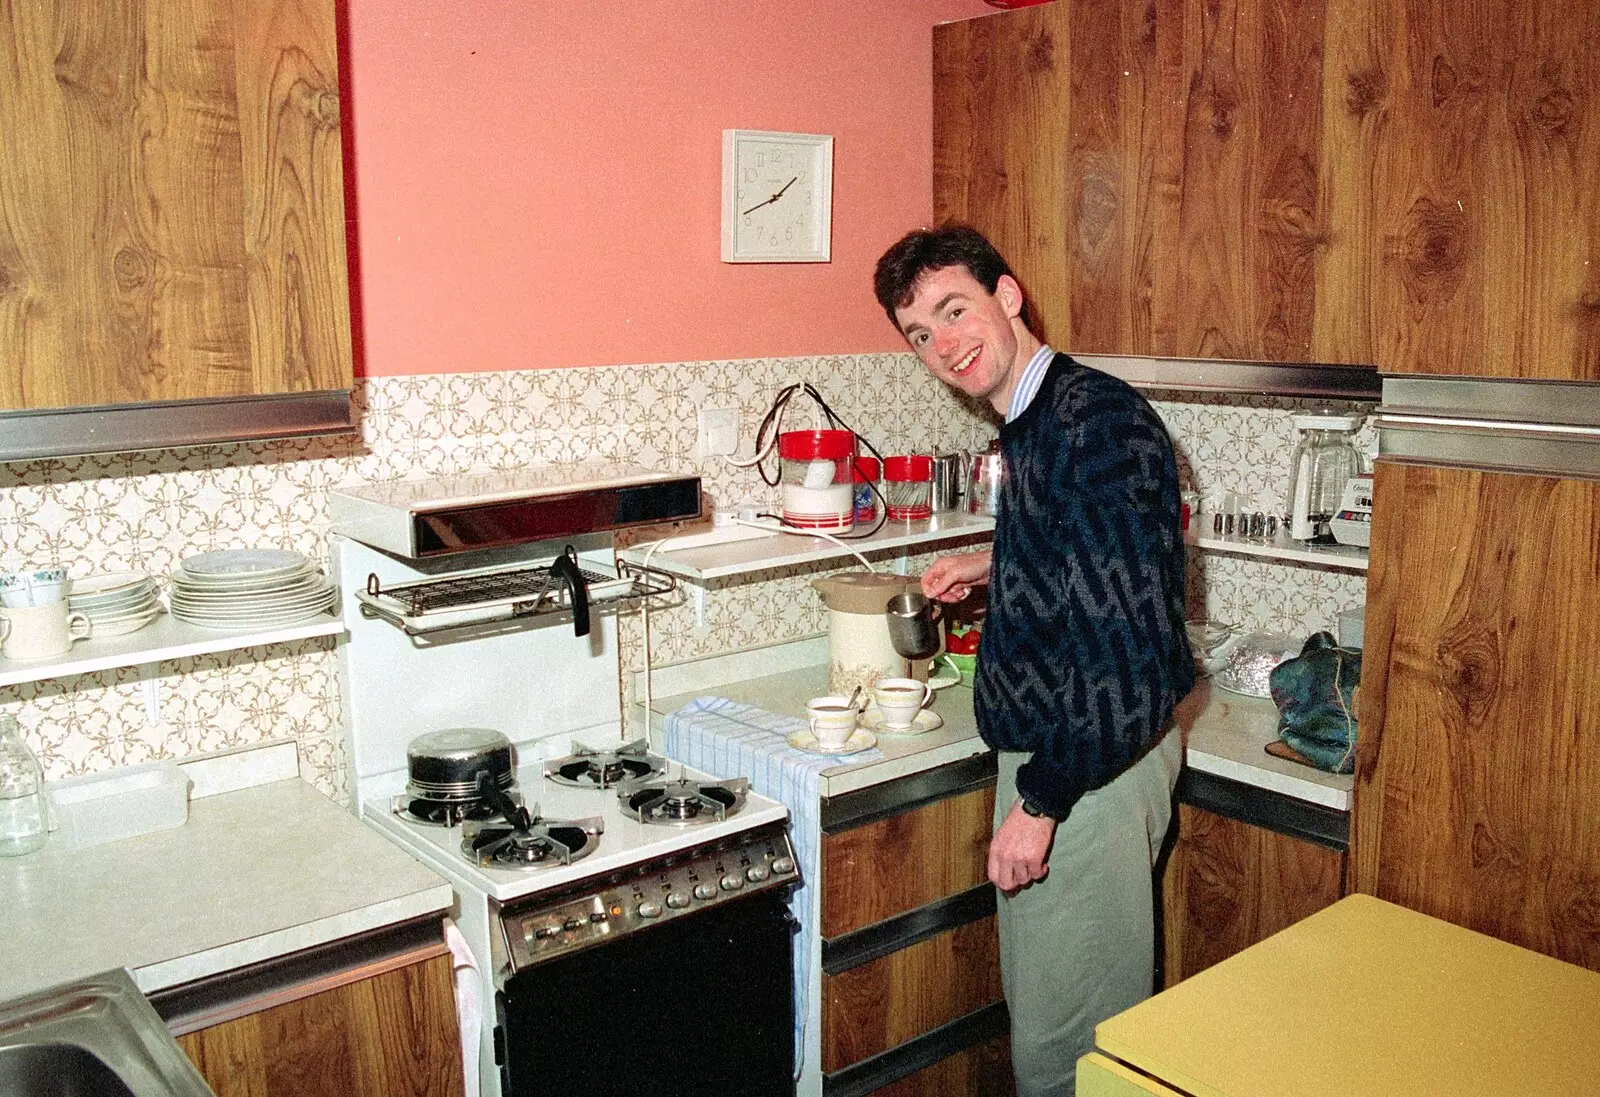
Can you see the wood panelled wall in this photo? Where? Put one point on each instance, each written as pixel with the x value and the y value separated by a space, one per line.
pixel 171 202
pixel 1477 770
pixel 1402 183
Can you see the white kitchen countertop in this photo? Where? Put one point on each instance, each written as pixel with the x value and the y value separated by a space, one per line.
pixel 1227 733
pixel 253 874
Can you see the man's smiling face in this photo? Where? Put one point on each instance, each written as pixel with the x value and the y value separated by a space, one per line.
pixel 964 334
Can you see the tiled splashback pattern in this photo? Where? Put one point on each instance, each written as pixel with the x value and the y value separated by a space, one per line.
pixel 151 510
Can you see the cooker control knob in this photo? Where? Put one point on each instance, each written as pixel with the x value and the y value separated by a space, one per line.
pixel 783 865
pixel 755 874
pixel 572 924
pixel 704 891
pixel 678 900
pixel 731 882
pixel 544 932
pixel 649 909
pixel 598 916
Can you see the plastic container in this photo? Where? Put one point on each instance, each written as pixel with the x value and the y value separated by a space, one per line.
pixel 868 472
pixel 817 479
pixel 123 803
pixel 22 818
pixel 908 487
pixel 1352 626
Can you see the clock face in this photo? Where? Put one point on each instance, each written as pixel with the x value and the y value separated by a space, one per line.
pixel 778 198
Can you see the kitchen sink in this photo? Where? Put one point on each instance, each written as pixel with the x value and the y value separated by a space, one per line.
pixel 97 1037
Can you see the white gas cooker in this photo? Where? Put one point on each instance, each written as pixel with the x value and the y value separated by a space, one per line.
pixel 624 843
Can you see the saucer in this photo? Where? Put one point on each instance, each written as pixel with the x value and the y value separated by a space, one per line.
pixel 926 720
pixel 859 740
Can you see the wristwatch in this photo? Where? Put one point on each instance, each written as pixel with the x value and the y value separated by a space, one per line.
pixel 1033 809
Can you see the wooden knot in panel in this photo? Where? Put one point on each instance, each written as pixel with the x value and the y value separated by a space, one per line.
pixel 1365 92
pixel 1554 105
pixel 131 268
pixel 1470 668
pixel 1433 248
pixel 1042 54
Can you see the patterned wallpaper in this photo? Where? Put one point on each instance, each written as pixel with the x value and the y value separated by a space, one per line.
pixel 150 510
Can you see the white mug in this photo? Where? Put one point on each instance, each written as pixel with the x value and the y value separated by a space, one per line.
pixel 900 699
pixel 40 632
pixel 832 721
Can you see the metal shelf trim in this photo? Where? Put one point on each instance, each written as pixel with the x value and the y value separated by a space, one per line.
pixel 35 433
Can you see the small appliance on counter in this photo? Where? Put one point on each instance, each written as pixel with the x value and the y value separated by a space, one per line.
pixel 1324 459
pixel 859 648
pixel 1352 525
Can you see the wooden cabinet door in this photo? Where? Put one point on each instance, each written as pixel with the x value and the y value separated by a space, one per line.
pixel 1229 884
pixel 1477 130
pixel 390 1035
pixel 1152 172
pixel 1478 764
pixel 1001 91
pixel 173 202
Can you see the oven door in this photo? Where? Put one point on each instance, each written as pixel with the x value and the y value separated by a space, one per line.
pixel 700 1004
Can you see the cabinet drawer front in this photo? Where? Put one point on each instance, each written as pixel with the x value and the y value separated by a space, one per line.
pixel 983 1070
pixel 883 1004
pixel 897 864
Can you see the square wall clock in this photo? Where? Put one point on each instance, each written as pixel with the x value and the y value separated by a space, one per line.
pixel 777 197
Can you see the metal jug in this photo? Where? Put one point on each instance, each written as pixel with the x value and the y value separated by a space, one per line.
pixel 983 482
pixel 949 479
pixel 914 625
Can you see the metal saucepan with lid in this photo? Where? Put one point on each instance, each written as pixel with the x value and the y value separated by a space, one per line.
pixel 450 765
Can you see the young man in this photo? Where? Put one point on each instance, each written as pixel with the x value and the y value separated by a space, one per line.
pixel 1084 654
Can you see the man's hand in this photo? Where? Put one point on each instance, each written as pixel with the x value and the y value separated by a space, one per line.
pixel 1019 848
pixel 951 578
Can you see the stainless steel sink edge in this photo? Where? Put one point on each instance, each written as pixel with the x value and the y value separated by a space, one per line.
pixel 53 1036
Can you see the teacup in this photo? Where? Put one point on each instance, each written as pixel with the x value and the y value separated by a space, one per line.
pixel 38 587
pixel 900 699
pixel 832 720
pixel 40 632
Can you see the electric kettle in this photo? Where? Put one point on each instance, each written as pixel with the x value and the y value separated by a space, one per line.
pixel 860 650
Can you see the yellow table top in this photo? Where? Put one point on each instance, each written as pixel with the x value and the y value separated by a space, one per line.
pixel 1368 999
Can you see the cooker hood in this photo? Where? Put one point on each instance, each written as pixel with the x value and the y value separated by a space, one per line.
pixel 420 519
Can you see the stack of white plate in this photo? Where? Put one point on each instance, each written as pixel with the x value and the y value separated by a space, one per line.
pixel 116 602
pixel 249 588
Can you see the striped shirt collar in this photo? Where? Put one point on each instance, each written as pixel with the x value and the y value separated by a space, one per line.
pixel 1028 383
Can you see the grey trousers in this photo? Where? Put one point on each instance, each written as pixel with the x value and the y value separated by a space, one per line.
pixel 1079 945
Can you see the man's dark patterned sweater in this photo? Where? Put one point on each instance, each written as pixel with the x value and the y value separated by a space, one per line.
pixel 1084 653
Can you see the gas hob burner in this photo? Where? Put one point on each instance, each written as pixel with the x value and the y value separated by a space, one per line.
pixel 432 812
pixel 606 768
pixel 542 842
pixel 683 802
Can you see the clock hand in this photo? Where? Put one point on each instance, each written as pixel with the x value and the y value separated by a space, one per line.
pixel 771 200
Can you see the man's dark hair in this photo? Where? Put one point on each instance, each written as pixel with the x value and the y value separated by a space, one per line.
pixel 923 250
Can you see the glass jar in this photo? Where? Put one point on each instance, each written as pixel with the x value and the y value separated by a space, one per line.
pixel 908 487
pixel 1324 459
pixel 22 819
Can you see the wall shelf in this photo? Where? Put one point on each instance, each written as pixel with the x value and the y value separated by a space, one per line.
pixel 164 638
pixel 1284 550
pixel 698 565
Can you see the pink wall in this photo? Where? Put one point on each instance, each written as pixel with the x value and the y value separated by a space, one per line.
pixel 537 184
